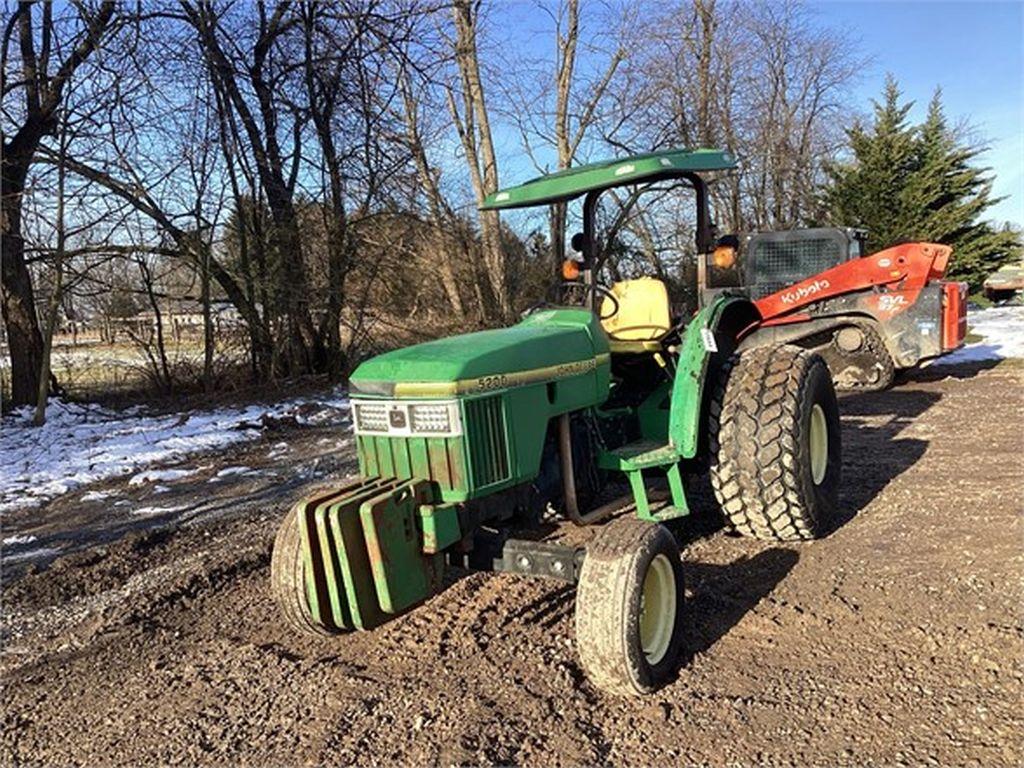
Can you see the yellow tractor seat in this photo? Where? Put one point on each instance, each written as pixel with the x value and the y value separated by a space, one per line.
pixel 643 317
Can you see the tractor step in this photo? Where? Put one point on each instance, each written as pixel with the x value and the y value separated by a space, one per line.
pixel 632 459
pixel 642 454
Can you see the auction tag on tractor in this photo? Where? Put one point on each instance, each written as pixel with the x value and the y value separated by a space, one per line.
pixel 708 337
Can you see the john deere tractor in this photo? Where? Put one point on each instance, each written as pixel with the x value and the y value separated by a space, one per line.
pixel 600 413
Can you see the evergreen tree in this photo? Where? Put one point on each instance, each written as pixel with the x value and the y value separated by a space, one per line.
pixel 919 183
pixel 868 191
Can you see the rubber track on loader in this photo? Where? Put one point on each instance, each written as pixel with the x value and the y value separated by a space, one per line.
pixel 876 352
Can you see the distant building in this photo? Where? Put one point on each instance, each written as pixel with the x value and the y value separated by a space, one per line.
pixel 185 316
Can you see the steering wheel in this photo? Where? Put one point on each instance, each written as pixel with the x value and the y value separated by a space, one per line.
pixel 556 296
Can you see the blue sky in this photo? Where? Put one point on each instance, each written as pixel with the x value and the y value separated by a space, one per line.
pixel 973 50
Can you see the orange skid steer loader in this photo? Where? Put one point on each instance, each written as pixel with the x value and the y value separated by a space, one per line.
pixel 867 316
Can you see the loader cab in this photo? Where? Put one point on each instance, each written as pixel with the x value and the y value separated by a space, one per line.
pixel 767 262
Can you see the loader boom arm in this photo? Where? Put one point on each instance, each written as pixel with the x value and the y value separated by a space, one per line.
pixel 905 267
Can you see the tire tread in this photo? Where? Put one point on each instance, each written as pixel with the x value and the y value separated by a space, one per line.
pixel 755 449
pixel 287 577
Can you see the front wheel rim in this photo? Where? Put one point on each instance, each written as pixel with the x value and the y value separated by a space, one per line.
pixel 658 609
pixel 819 444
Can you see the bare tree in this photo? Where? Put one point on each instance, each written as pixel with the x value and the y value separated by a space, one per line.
pixel 52 308
pixel 473 125
pixel 439 212
pixel 757 79
pixel 277 172
pixel 348 52
pixel 568 137
pixel 42 79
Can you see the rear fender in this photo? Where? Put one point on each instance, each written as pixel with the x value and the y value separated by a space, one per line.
pixel 711 337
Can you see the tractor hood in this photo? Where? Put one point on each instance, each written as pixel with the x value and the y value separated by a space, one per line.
pixel 549 344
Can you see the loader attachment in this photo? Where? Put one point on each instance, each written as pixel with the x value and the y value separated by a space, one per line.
pixel 363 552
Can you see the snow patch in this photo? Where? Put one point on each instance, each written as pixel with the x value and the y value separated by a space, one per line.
pixel 96 495
pixel 232 472
pixel 1002 332
pixel 18 539
pixel 153 510
pixel 278 450
pixel 152 475
pixel 31 554
pixel 227 471
pixel 84 444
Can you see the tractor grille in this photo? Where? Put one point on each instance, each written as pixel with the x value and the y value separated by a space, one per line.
pixel 440 459
pixel 487 442
pixel 458 464
pixel 771 266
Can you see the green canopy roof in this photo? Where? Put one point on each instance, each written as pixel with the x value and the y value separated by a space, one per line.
pixel 573 182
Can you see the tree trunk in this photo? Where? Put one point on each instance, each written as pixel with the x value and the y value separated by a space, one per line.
pixel 53 309
pixel 43 94
pixel 438 217
pixel 208 340
pixel 163 370
pixel 563 86
pixel 476 138
pixel 24 340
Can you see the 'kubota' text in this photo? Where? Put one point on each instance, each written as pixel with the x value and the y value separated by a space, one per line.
pixel 795 295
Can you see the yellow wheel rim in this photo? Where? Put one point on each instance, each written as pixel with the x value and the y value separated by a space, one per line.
pixel 819 444
pixel 658 609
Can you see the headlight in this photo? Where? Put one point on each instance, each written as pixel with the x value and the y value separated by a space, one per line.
pixel 370 417
pixel 401 418
pixel 431 419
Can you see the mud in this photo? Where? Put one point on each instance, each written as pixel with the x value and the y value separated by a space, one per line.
pixel 897 639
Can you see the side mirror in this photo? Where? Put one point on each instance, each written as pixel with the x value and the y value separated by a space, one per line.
pixel 577 242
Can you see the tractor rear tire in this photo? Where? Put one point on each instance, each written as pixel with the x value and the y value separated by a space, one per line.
pixel 629 607
pixel 287 578
pixel 775 444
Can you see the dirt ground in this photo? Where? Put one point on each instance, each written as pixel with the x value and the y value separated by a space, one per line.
pixel 896 640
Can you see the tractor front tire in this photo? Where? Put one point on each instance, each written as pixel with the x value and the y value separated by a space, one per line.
pixel 287 578
pixel 629 607
pixel 775 444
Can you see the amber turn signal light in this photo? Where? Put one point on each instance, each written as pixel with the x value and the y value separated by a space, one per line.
pixel 571 269
pixel 724 257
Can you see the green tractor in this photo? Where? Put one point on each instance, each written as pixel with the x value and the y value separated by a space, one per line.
pixel 601 414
